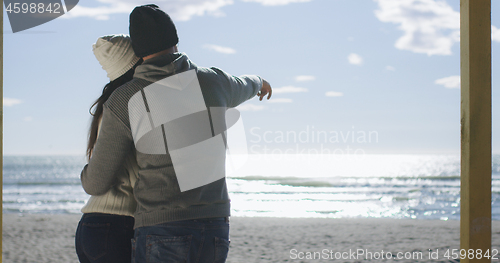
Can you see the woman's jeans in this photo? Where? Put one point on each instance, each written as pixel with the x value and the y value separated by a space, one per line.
pixel 104 238
pixel 194 241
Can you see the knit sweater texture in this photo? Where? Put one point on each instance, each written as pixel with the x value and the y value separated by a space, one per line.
pixel 119 200
pixel 157 191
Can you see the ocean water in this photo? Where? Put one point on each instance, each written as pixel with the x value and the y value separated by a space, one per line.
pixel 344 186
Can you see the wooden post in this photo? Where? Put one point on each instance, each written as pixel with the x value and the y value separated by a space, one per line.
pixel 475 194
pixel 1 128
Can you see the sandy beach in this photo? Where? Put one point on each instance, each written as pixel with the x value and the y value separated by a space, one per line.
pixel 50 238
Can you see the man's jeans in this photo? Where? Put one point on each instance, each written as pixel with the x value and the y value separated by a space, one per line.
pixel 194 241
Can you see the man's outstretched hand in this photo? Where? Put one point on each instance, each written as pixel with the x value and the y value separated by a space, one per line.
pixel 266 89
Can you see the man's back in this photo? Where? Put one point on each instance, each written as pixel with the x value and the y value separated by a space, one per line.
pixel 172 115
pixel 165 129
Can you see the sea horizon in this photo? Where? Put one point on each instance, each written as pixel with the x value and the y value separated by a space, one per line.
pixel 413 186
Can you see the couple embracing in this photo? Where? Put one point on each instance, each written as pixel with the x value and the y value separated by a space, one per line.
pixel 157 150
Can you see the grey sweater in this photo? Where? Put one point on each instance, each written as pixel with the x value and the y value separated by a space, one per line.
pixel 157 191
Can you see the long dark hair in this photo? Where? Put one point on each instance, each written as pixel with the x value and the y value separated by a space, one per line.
pixel 98 105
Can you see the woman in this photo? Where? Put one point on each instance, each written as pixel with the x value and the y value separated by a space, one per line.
pixel 106 227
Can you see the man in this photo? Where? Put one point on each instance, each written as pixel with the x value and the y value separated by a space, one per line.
pixel 172 115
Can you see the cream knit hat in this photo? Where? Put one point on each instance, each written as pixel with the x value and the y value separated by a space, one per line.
pixel 115 54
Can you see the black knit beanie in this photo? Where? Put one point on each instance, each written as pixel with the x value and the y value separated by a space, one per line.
pixel 151 30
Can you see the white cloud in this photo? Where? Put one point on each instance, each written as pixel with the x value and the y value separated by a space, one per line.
pixel 220 49
pixel 9 102
pixel 28 119
pixel 280 100
pixel 179 10
pixel 101 12
pixel 495 34
pixel 449 82
pixel 355 59
pixel 304 78
pixel 334 94
pixel 277 2
pixel 250 107
pixel 430 27
pixel 390 68
pixel 289 89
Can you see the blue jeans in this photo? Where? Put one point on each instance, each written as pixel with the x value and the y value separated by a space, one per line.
pixel 104 238
pixel 193 241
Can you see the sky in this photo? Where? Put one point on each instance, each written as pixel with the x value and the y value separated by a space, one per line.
pixel 362 76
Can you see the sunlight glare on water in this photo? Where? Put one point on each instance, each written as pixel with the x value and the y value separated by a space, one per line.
pixel 394 186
